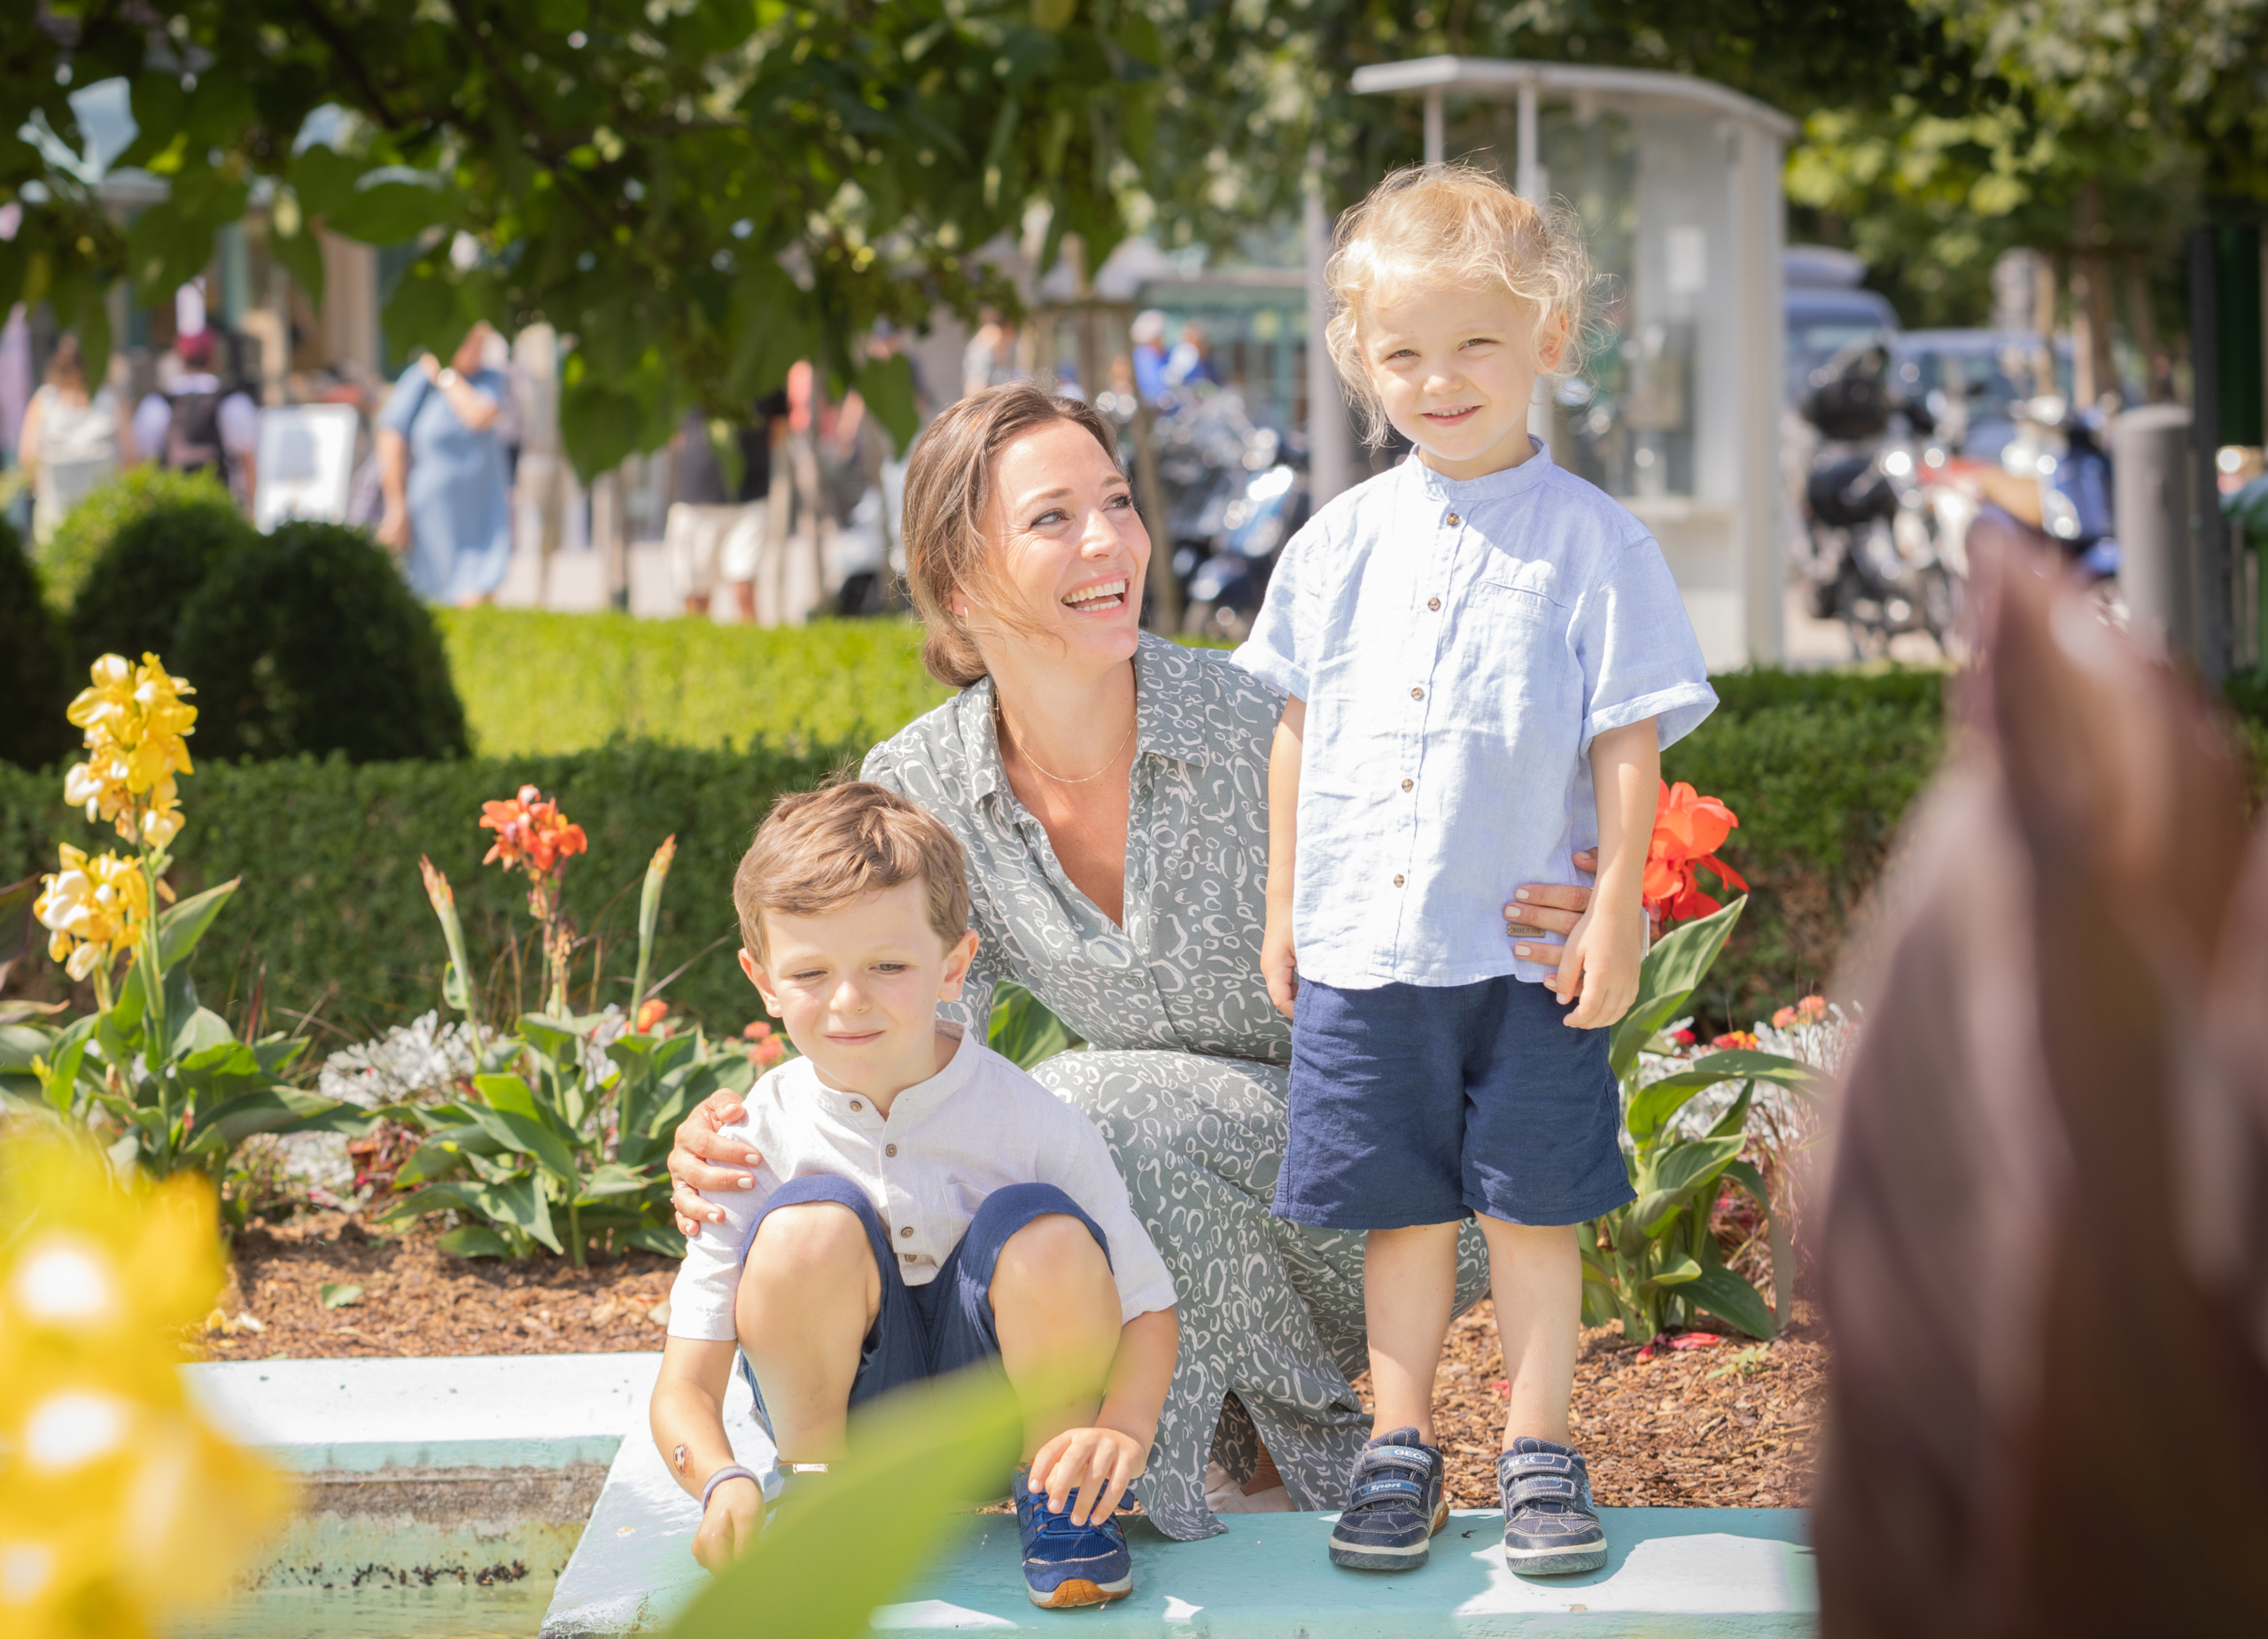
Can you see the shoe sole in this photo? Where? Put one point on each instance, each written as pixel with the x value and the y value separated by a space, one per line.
pixel 1372 1558
pixel 1078 1591
pixel 1555 1561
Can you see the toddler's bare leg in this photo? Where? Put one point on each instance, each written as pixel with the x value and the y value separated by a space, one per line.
pixel 1409 1290
pixel 1536 1276
pixel 1056 1309
pixel 809 1293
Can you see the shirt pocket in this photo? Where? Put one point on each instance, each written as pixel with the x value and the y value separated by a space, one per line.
pixel 1521 678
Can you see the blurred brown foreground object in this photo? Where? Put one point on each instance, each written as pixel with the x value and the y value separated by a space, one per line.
pixel 2046 1251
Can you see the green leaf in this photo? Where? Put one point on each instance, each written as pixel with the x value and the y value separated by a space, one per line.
pixel 1744 1173
pixel 1673 1271
pixel 1022 1030
pixel 819 1572
pixel 1695 1162
pixel 1729 1298
pixel 652 1238
pixel 275 1109
pixel 392 212
pixel 1669 976
pixel 520 1203
pixel 1653 1105
pixel 334 1294
pixel 474 1240
pixel 302 254
pixel 179 927
pixel 1649 1217
pixel 887 385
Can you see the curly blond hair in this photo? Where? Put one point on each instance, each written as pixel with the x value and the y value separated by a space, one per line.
pixel 1452 226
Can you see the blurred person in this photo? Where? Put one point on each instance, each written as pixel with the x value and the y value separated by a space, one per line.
pixel 197 422
pixel 1148 333
pixel 1192 359
pixel 717 520
pixel 441 439
pixel 73 439
pixel 990 359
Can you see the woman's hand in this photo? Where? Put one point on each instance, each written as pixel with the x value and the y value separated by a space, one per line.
pixel 702 1159
pixel 431 366
pixel 1554 907
pixel 1099 1463
pixel 394 529
pixel 729 1525
pixel 1279 964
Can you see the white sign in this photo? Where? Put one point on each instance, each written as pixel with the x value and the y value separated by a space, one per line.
pixel 306 462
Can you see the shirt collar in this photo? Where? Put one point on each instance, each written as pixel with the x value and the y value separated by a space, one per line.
pixel 1492 487
pixel 1162 669
pixel 924 1096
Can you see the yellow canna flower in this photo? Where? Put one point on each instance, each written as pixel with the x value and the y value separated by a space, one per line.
pixel 136 725
pixel 119 1504
pixel 92 908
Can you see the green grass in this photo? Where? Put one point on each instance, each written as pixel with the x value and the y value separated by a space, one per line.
pixel 535 683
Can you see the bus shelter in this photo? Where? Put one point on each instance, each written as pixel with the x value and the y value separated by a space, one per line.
pixel 1676 412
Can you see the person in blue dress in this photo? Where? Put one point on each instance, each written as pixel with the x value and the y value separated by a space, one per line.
pixel 441 463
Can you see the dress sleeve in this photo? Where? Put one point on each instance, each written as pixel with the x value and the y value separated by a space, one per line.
pixel 1275 653
pixel 1639 655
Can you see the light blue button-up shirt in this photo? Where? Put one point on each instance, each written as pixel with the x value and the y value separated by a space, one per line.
pixel 1458 644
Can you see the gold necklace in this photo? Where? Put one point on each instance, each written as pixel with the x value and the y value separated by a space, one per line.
pixel 1000 725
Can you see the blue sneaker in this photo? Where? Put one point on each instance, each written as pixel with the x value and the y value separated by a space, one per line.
pixel 1393 1506
pixel 1550 1528
pixel 1068 1564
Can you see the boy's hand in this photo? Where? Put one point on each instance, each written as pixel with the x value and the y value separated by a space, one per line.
pixel 1600 965
pixel 1099 1463
pixel 730 1526
pixel 1279 964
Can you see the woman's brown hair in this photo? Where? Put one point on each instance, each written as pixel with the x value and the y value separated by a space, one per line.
pixel 948 489
pixel 64 367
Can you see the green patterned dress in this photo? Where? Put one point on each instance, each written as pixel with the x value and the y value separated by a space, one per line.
pixel 1184 1067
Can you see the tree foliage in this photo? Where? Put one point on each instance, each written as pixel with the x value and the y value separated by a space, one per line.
pixel 699 192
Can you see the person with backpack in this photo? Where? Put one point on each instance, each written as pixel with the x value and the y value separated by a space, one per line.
pixel 196 422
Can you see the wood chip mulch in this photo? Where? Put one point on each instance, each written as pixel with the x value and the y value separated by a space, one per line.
pixel 1733 1425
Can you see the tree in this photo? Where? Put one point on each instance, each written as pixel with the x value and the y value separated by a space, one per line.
pixel 698 191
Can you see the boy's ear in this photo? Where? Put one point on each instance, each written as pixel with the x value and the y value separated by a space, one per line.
pixel 957 961
pixel 757 978
pixel 1551 340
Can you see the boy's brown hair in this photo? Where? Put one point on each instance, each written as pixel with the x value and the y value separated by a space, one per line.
pixel 818 851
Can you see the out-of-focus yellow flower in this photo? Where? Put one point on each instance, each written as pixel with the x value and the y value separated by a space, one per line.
pixel 92 908
pixel 119 1504
pixel 135 739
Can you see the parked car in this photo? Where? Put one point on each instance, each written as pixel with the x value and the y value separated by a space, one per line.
pixel 1973 379
pixel 1826 311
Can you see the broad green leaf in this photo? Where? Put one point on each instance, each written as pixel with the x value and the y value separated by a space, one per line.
pixel 475 1241
pixel 1729 1298
pixel 521 1204
pixel 339 1294
pixel 609 1180
pixel 179 927
pixel 536 1138
pixel 1734 1120
pixel 1744 1173
pixel 1695 1162
pixel 1657 1101
pixel 1677 1271
pixel 820 1569
pixel 1667 976
pixel 1023 1031
pixel 275 1109
pixel 653 1238
pixel 887 385
pixel 392 211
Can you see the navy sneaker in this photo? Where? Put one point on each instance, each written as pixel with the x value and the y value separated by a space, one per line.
pixel 1550 1528
pixel 1393 1506
pixel 1068 1564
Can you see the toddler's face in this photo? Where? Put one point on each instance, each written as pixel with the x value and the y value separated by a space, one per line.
pixel 1456 369
pixel 858 987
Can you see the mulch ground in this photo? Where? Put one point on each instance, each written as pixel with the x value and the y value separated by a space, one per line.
pixel 1731 1425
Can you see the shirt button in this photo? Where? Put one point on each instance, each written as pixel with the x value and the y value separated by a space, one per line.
pixel 908 1232
pixel 889 1149
pixel 907 1256
pixel 1407 783
pixel 1397 879
pixel 855 1104
pixel 1453 520
pixel 1432 602
pixel 1415 694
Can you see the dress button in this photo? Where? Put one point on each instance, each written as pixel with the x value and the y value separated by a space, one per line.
pixel 1453 520
pixel 1415 694
pixel 1407 783
pixel 889 1149
pixel 908 1232
pixel 1397 879
pixel 1432 602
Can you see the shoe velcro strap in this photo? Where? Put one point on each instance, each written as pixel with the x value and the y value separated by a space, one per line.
pixel 1371 1488
pixel 1541 1488
pixel 1515 1462
pixel 1415 1458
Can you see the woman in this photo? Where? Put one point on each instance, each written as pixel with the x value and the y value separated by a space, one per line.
pixel 441 466
pixel 1111 791
pixel 72 440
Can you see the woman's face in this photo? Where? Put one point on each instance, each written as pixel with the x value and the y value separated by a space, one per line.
pixel 1068 546
pixel 471 351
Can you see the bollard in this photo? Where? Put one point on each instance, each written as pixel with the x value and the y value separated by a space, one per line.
pixel 2157 547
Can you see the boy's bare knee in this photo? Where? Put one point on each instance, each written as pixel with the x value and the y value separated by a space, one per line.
pixel 816 1236
pixel 1052 1248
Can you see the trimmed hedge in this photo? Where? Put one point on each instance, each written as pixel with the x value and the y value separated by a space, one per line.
pixel 35 682
pixel 88 529
pixel 332 902
pixel 533 681
pixel 153 565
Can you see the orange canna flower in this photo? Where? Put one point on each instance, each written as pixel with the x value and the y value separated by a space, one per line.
pixel 532 835
pixel 1689 828
pixel 1732 1039
pixel 650 1014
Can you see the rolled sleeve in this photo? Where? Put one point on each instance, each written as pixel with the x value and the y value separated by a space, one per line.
pixel 1274 653
pixel 1083 1170
pixel 1639 654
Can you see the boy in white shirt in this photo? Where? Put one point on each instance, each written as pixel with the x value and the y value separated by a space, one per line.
pixel 921 1205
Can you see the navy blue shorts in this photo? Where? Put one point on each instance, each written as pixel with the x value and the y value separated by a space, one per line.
pixel 946 1323
pixel 1417 1104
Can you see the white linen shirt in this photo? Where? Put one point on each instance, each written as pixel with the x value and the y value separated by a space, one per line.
pixel 977 1125
pixel 1458 644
